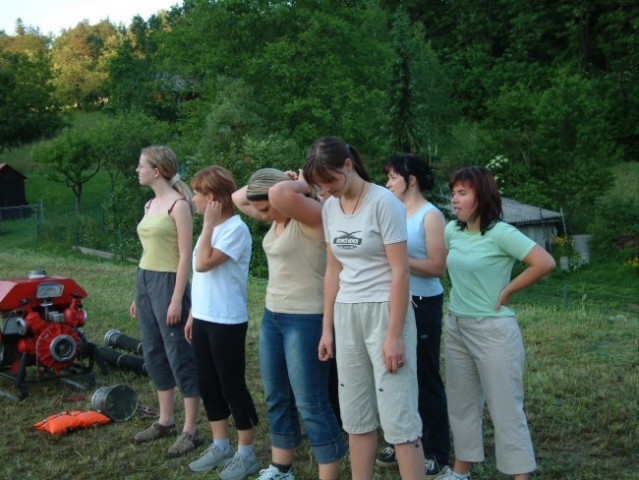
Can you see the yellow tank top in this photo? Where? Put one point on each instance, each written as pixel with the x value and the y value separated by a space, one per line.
pixel 158 236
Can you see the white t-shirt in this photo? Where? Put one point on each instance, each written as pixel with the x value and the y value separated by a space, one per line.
pixel 220 294
pixel 358 240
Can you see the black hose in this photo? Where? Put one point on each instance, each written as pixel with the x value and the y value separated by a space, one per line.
pixel 115 338
pixel 124 360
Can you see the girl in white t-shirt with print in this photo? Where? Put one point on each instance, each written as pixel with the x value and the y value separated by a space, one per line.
pixel 218 324
pixel 368 324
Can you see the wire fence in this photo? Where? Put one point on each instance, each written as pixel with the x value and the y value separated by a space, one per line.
pixel 19 217
pixel 31 224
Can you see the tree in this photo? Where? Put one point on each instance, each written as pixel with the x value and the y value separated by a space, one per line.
pixel 71 159
pixel 128 79
pixel 79 55
pixel 557 143
pixel 28 109
pixel 326 72
pixel 421 110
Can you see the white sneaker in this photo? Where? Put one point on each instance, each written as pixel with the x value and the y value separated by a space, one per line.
pixel 212 457
pixel 239 467
pixel 448 474
pixel 273 473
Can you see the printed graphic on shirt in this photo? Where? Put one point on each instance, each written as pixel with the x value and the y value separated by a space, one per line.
pixel 347 240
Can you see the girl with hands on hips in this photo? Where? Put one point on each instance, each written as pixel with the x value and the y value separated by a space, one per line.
pixel 483 344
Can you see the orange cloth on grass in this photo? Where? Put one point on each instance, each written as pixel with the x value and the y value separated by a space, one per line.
pixel 65 421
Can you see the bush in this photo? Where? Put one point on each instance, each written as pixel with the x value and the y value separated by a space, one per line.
pixel 615 223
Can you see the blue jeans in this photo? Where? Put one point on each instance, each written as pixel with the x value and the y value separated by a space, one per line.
pixel 296 380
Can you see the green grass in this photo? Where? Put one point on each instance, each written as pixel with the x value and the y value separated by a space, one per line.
pixel 580 331
pixel 581 389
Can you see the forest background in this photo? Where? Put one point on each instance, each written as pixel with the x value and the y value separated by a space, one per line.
pixel 546 94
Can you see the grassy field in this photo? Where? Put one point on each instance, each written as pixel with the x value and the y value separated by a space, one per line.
pixel 581 383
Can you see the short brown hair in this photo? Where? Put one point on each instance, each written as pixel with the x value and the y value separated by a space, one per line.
pixel 482 181
pixel 217 181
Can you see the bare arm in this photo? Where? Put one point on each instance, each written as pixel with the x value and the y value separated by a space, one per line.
pixel 243 205
pixel 291 200
pixel 435 264
pixel 540 263
pixel 181 214
pixel 397 255
pixel 208 257
pixel 326 347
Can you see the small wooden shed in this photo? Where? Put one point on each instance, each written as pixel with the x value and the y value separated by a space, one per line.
pixel 12 193
pixel 536 223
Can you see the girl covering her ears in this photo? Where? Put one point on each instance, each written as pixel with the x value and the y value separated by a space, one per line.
pixel 366 302
pixel 294 378
pixel 218 324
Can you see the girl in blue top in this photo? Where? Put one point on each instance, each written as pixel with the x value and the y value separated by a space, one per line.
pixel 483 345
pixel 409 176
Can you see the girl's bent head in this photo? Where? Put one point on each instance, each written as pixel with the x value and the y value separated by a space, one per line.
pixel 326 158
pixel 261 181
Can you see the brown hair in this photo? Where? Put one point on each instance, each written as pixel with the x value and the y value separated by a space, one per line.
pixel 482 181
pixel 327 155
pixel 217 181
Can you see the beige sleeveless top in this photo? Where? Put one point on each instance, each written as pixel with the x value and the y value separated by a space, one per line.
pixel 296 264
pixel 158 236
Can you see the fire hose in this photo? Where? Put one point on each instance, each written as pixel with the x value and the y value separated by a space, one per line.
pixel 115 338
pixel 123 360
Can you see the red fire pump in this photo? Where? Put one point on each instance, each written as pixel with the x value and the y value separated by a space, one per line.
pixel 41 316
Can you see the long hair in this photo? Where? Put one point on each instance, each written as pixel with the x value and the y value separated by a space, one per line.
pixel 165 161
pixel 218 181
pixel 482 181
pixel 328 155
pixel 411 164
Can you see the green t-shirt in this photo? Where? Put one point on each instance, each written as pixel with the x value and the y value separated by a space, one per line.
pixel 480 266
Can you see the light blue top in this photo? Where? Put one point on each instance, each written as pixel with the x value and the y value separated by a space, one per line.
pixel 480 266
pixel 418 248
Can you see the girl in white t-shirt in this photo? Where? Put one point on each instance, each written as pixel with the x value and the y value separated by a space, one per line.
pixel 218 324
pixel 368 324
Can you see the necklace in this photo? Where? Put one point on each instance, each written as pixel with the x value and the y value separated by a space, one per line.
pixel 358 199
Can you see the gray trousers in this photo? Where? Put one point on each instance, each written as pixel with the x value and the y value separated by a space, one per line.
pixel 485 363
pixel 168 356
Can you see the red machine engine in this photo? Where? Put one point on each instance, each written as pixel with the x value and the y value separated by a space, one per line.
pixel 41 316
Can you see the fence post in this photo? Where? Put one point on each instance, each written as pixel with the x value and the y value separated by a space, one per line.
pixel 565 289
pixel 39 219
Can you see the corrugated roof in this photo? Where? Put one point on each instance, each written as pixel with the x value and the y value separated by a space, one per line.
pixel 517 213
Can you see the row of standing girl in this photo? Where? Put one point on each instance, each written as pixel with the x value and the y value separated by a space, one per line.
pixel 373 260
